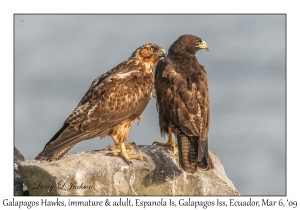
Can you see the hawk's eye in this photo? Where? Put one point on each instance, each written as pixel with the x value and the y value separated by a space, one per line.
pixel 197 42
pixel 153 49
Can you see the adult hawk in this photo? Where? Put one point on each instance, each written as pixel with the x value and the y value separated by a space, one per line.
pixel 112 104
pixel 183 103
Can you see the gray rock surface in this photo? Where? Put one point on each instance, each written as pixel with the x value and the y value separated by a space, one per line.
pixel 98 173
pixel 18 183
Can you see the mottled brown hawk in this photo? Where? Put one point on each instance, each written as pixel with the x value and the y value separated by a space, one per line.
pixel 112 104
pixel 183 103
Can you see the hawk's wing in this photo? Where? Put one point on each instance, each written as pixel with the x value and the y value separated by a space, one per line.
pixel 112 98
pixel 182 100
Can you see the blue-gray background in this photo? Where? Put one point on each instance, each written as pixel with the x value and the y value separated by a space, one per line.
pixel 58 56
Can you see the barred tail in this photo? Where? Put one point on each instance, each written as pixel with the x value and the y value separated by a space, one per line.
pixel 193 153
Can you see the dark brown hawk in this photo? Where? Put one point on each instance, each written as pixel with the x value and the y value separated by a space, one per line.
pixel 183 103
pixel 112 104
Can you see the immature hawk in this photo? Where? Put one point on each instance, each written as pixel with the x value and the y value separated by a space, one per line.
pixel 112 104
pixel 182 102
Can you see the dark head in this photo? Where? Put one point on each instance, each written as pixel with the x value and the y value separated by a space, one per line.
pixel 188 43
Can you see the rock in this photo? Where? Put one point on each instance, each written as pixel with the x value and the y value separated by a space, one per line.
pixel 18 183
pixel 98 173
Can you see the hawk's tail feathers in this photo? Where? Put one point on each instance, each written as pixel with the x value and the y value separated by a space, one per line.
pixel 187 151
pixel 56 155
pixel 203 159
pixel 62 142
pixel 193 153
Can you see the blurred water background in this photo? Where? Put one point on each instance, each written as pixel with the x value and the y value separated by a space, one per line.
pixel 58 56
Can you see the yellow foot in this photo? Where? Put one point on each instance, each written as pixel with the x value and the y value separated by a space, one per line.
pixel 128 156
pixel 117 146
pixel 170 143
pixel 123 153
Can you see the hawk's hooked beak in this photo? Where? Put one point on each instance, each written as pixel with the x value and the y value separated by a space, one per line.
pixel 203 45
pixel 162 53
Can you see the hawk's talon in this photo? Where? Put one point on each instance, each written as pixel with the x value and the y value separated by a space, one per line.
pixel 130 145
pixel 170 143
pixel 108 148
pixel 127 156
pixel 114 147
